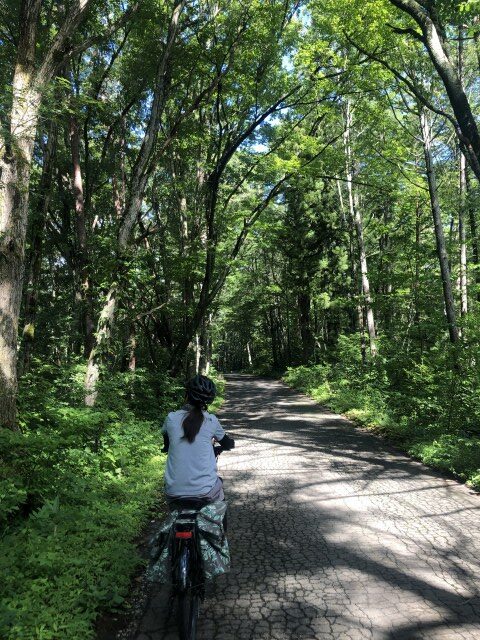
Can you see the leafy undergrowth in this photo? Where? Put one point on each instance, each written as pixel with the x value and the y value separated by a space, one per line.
pixel 76 488
pixel 432 415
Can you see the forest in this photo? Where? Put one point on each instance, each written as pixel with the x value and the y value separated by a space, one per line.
pixel 284 188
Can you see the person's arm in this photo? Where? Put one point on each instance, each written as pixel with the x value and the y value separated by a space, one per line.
pixel 224 440
pixel 166 443
pixel 227 443
pixel 166 439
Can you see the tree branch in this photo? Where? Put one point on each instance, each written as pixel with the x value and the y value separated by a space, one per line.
pixel 410 32
pixel 60 51
pixel 56 55
pixel 411 86
pixel 113 28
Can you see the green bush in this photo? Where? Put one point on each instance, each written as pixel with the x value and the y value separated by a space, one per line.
pixel 74 553
pixel 12 496
pixel 307 378
pixel 451 453
pixel 76 487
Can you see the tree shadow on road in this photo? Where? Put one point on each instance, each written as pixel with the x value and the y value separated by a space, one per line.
pixel 305 563
pixel 286 550
pixel 308 552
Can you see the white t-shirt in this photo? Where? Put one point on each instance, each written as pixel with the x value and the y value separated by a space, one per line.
pixel 191 468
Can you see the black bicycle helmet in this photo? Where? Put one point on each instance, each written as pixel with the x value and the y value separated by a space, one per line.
pixel 201 389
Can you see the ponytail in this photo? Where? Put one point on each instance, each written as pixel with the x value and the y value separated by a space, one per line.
pixel 192 422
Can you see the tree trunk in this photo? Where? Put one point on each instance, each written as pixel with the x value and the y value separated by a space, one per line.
pixel 104 332
pixel 356 217
pixel 462 236
pixel 306 335
pixel 133 206
pixel 432 36
pixel 289 335
pixel 249 355
pixel 205 344
pixel 15 171
pixel 132 347
pixel 361 331
pixel 351 259
pixel 15 168
pixel 208 356
pixel 83 294
pixel 437 220
pixel 188 281
pixel 384 267
pixel 119 188
pixel 416 283
pixel 198 353
pixel 37 242
pixel 462 239
pixel 472 220
pixel 273 336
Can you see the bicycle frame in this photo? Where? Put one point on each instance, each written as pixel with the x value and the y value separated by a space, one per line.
pixel 187 574
pixel 187 564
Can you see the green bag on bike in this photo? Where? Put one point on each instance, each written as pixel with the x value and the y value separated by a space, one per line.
pixel 210 536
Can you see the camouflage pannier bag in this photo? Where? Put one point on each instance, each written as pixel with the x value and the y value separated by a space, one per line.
pixel 210 537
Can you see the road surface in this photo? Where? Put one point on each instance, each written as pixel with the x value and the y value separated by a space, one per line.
pixel 333 534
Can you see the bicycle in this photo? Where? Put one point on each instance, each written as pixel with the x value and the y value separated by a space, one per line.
pixel 188 578
pixel 187 572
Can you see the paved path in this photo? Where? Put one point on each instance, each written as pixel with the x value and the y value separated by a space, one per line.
pixel 333 534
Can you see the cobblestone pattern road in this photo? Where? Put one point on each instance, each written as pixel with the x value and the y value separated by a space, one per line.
pixel 334 535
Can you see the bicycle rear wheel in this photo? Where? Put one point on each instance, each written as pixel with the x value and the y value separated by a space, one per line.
pixel 188 611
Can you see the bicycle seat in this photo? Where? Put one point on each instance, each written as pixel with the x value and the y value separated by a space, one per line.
pixel 194 504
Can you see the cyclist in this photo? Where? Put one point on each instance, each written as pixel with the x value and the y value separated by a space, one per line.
pixel 188 435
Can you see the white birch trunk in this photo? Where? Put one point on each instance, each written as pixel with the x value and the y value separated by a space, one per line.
pixel 198 353
pixel 249 355
pixel 356 216
pixel 463 201
pixel 462 236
